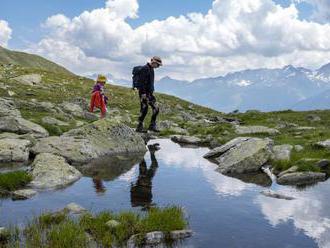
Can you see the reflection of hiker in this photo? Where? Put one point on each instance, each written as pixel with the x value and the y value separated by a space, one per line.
pixel 98 185
pixel 98 99
pixel 141 191
pixel 143 80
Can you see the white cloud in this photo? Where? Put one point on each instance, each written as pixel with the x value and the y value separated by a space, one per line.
pixel 5 33
pixel 233 35
pixel 309 212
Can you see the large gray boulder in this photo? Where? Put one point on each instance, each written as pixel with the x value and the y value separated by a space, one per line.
pixel 242 155
pixel 14 150
pixel 52 171
pixel 301 178
pixel 282 152
pixel 242 130
pixel 89 142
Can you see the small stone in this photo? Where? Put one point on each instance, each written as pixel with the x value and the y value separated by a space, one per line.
pixel 323 164
pixel 75 208
pixel 181 234
pixel 255 130
pixel 112 223
pixel 52 121
pixel 282 152
pixel 23 194
pixel 313 118
pixel 298 148
pixel 154 237
pixel 305 128
pixel 290 170
pixel 324 144
pixel 186 139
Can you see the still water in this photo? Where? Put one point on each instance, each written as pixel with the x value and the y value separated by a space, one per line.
pixel 222 211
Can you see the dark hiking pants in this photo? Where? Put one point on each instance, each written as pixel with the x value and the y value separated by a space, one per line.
pixel 149 100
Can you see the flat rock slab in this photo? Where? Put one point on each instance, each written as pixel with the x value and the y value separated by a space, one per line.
pixel 95 140
pixel 242 155
pixel 282 152
pixel 186 139
pixel 301 178
pixel 23 194
pixel 52 171
pixel 218 151
pixel 14 150
pixel 242 130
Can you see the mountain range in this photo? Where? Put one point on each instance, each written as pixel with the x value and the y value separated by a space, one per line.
pixel 289 87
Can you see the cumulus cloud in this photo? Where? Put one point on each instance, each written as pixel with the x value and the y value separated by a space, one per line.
pixel 5 33
pixel 233 35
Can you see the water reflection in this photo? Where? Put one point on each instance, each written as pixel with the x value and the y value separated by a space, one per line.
pixel 141 190
pixel 109 168
pixel 99 185
pixel 309 212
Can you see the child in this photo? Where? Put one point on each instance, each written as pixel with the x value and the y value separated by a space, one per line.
pixel 98 99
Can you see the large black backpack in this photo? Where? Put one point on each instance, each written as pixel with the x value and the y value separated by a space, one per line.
pixel 136 78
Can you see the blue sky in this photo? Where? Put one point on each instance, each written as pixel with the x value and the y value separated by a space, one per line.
pixel 25 17
pixel 235 35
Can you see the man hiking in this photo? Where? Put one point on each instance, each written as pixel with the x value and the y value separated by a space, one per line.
pixel 143 80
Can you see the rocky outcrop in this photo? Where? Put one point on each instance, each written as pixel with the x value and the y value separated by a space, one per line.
pixel 301 178
pixel 52 171
pixel 92 141
pixel 30 79
pixel 21 126
pixel 12 121
pixel 282 152
pixel 14 150
pixel 242 155
pixel 242 130
pixel 290 170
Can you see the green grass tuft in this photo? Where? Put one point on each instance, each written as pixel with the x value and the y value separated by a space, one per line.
pixel 14 180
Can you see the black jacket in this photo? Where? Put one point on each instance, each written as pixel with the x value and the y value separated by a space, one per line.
pixel 148 79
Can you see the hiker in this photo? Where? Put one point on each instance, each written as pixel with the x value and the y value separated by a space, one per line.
pixel 98 99
pixel 143 80
pixel 141 191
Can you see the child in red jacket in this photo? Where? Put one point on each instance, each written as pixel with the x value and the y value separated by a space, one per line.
pixel 98 99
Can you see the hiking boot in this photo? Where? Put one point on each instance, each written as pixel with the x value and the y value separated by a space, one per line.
pixel 153 128
pixel 140 129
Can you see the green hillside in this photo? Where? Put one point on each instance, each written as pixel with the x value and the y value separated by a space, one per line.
pixel 65 97
pixel 29 61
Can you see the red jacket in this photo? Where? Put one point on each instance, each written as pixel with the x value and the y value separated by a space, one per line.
pixel 97 101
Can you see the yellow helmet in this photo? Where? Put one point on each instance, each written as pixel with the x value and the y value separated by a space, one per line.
pixel 101 78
